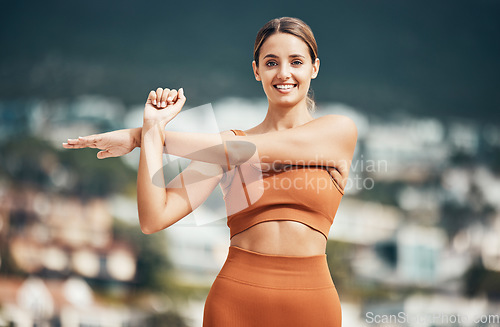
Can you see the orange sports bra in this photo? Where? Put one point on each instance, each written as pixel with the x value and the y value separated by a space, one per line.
pixel 306 194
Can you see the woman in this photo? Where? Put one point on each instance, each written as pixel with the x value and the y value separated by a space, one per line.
pixel 282 182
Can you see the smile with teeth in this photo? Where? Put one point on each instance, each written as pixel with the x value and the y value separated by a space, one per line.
pixel 285 86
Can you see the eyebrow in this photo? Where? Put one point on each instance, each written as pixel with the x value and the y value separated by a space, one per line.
pixel 275 56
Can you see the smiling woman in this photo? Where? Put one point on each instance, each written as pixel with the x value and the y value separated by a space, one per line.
pixel 302 50
pixel 282 181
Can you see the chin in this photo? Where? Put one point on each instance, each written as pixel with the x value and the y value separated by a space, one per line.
pixel 286 103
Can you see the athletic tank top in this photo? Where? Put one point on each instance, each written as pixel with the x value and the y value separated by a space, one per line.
pixel 305 194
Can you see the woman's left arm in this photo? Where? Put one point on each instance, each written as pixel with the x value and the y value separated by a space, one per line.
pixel 326 141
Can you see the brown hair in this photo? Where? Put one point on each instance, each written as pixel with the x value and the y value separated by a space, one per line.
pixel 293 26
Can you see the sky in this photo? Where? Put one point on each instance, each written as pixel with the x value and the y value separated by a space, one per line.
pixel 425 58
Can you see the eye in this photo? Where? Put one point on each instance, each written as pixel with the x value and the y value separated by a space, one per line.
pixel 296 62
pixel 271 63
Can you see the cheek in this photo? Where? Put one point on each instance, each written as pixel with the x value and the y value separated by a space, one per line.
pixel 267 76
pixel 266 81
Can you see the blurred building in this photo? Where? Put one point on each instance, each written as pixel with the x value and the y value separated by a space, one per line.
pixel 53 302
pixel 61 236
pixel 198 251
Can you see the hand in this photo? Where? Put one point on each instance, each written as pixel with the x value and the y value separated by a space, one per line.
pixel 114 144
pixel 163 105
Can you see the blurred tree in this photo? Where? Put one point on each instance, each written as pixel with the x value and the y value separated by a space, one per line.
pixel 382 192
pixel 456 216
pixel 388 251
pixel 165 319
pixel 492 157
pixel 20 160
pixel 154 270
pixel 29 160
pixel 479 280
pixel 153 266
pixel 339 257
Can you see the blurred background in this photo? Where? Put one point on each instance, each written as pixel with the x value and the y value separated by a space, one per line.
pixel 416 239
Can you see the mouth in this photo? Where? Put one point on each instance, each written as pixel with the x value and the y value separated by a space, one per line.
pixel 285 88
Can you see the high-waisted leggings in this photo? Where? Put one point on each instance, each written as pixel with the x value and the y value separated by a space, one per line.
pixel 255 289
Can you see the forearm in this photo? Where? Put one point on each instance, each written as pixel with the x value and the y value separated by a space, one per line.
pixel 215 148
pixel 151 192
pixel 326 141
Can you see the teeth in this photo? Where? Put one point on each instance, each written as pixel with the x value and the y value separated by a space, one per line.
pixel 288 86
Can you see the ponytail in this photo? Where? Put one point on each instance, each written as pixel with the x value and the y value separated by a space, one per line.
pixel 311 104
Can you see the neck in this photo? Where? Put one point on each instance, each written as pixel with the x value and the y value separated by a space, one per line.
pixel 285 117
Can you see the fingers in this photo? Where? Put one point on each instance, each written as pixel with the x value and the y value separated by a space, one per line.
pixel 104 154
pixel 169 97
pixel 90 141
pixel 162 98
pixel 163 101
pixel 181 99
pixel 159 97
pixel 152 98
pixel 73 144
pixel 180 95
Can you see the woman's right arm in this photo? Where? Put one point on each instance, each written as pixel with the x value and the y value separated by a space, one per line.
pixel 161 206
pixel 112 144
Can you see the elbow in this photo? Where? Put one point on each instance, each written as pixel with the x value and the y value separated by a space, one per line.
pixel 151 226
pixel 148 230
pixel 147 225
pixel 241 151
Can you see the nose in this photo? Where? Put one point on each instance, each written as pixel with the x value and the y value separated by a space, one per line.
pixel 284 72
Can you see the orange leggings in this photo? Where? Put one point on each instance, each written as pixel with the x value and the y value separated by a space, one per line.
pixel 255 289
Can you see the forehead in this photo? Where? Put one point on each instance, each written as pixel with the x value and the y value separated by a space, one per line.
pixel 284 44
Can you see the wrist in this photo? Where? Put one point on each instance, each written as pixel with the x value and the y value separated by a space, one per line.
pixel 136 134
pixel 156 127
pixel 153 122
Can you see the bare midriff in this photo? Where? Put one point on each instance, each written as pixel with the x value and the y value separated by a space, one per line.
pixel 283 237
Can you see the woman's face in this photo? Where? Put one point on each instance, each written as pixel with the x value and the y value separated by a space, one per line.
pixel 285 69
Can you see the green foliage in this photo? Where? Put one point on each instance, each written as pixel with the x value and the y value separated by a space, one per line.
pixel 20 160
pixel 339 256
pixel 169 319
pixel 153 266
pixel 479 280
pixel 32 161
pixel 7 264
pixel 461 158
pixel 352 287
pixel 388 251
pixel 382 192
pixel 455 217
pixel 492 157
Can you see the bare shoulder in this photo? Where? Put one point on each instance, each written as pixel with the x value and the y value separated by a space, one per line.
pixel 342 132
pixel 337 123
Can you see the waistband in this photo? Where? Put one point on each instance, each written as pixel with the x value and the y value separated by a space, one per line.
pixel 276 271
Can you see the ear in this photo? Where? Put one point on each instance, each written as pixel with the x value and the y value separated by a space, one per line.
pixel 315 68
pixel 256 71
